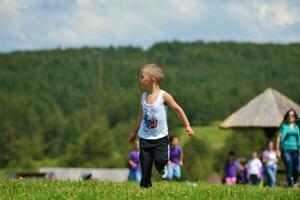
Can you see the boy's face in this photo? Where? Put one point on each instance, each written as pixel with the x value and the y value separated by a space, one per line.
pixel 145 79
pixel 254 155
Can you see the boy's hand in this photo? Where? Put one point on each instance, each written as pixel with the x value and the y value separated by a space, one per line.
pixel 189 131
pixel 132 138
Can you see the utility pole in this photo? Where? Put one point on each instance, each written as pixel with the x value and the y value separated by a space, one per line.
pixel 101 71
pixel 98 58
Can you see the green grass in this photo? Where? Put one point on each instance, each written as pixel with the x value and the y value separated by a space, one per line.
pixel 211 134
pixel 42 189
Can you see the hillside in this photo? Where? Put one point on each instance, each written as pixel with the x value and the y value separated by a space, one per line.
pixel 75 107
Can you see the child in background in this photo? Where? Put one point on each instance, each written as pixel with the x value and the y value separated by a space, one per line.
pixel 254 169
pixel 134 164
pixel 243 172
pixel 231 169
pixel 151 124
pixel 261 175
pixel 176 159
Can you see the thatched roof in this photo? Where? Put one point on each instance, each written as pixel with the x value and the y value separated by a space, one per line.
pixel 264 111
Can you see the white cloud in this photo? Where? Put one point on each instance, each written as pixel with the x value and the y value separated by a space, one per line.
pixel 116 20
pixel 11 18
pixel 277 14
pixel 51 23
pixel 259 16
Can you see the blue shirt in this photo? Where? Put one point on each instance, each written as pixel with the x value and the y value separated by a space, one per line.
pixel 289 137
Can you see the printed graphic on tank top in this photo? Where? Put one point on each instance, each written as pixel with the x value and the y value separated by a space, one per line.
pixel 154 121
pixel 150 122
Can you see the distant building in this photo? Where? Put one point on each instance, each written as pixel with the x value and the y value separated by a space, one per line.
pixel 265 111
pixel 105 174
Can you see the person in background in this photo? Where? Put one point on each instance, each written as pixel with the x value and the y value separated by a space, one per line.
pixel 51 176
pixel 134 164
pixel 254 169
pixel 87 176
pixel 261 175
pixel 288 146
pixel 270 162
pixel 231 169
pixel 176 159
pixel 242 172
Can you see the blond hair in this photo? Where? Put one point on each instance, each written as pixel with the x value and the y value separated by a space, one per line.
pixel 155 71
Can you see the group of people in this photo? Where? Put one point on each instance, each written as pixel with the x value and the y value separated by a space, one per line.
pixel 253 171
pixel 257 169
pixel 152 131
pixel 173 167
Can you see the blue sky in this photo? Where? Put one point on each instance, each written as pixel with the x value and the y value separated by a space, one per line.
pixel 46 24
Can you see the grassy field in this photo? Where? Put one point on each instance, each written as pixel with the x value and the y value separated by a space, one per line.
pixel 42 189
pixel 211 134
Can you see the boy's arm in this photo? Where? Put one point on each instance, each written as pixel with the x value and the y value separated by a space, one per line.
pixel 180 113
pixel 135 128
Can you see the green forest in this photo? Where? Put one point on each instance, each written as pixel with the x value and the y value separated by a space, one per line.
pixel 76 107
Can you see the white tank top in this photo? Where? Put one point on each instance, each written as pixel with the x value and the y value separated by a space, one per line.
pixel 154 122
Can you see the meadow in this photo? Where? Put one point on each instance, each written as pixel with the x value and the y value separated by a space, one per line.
pixel 45 189
pixel 214 137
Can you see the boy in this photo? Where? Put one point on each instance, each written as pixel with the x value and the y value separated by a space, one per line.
pixel 176 159
pixel 254 169
pixel 151 124
pixel 134 164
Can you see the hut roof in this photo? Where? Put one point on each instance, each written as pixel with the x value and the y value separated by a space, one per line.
pixel 264 111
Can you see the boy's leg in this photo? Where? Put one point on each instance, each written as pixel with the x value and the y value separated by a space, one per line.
pixel 177 172
pixel 170 172
pixel 130 175
pixel 138 175
pixel 161 153
pixel 253 179
pixel 257 180
pixel 146 161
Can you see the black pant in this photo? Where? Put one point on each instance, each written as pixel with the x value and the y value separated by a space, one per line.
pixel 254 180
pixel 156 151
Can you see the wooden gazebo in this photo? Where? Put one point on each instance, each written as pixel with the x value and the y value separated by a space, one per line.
pixel 265 111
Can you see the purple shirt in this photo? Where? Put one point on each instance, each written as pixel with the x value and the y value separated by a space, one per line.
pixel 135 157
pixel 231 169
pixel 244 175
pixel 175 153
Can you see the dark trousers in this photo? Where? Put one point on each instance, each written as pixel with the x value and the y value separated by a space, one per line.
pixel 254 180
pixel 291 161
pixel 156 151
